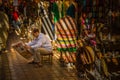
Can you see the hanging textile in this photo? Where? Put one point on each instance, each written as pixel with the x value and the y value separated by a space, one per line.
pixel 55 12
pixel 71 11
pixel 58 10
pixel 46 23
pixel 63 9
pixel 66 37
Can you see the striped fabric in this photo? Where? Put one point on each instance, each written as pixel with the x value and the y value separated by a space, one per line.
pixel 85 55
pixel 47 27
pixel 46 22
pixel 66 32
pixel 66 38
pixel 85 58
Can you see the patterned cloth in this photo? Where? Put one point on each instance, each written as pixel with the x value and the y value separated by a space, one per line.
pixel 66 34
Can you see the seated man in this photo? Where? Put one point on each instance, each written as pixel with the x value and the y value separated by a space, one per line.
pixel 41 44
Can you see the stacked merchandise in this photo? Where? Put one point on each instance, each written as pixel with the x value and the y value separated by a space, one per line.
pixel 103 11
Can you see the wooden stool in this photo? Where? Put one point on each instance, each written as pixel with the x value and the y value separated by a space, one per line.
pixel 46 57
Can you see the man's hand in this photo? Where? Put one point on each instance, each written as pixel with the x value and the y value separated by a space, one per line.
pixel 27 47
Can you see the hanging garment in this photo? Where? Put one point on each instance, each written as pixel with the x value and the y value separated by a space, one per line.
pixel 55 12
pixel 46 23
pixel 71 11
pixel 84 3
pixel 66 38
pixel 66 32
pixel 63 9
